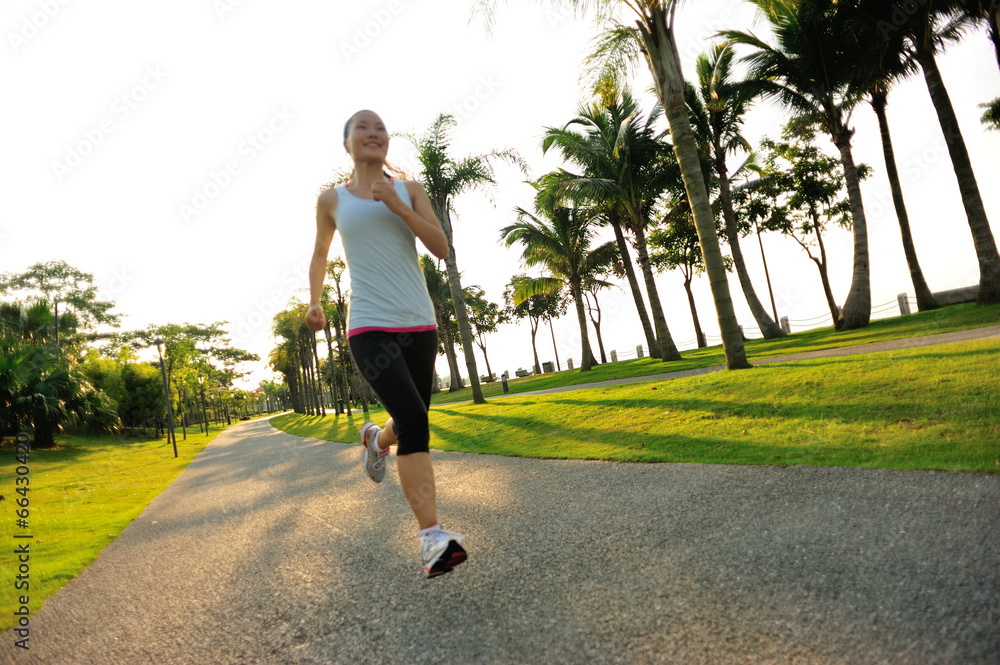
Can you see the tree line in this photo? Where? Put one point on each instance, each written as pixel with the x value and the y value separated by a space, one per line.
pixel 60 373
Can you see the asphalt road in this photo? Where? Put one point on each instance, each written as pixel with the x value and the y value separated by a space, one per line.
pixel 275 549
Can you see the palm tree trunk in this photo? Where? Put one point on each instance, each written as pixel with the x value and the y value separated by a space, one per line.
pixel 857 310
pixel 597 324
pixel 821 265
pixel 994 29
pixel 489 372
pixel 449 353
pixel 344 356
pixel 768 327
pixel 667 347
pixel 925 299
pixel 319 378
pixel 333 372
pixel 534 330
pixel 555 349
pixel 656 31
pixel 461 313
pixel 986 248
pixel 55 320
pixel 702 342
pixel 587 356
pixel 362 393
pixel 767 274
pixel 640 306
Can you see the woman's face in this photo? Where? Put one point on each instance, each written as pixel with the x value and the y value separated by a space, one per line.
pixel 367 138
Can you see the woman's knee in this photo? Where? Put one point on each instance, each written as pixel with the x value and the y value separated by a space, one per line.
pixel 413 434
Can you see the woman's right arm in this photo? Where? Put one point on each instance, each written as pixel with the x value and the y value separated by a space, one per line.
pixel 326 206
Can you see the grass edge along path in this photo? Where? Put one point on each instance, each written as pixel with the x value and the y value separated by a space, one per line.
pixel 920 408
pixel 945 319
pixel 82 494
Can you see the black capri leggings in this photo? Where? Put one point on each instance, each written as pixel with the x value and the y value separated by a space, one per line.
pixel 400 368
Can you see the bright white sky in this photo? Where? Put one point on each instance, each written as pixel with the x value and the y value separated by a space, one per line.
pixel 159 99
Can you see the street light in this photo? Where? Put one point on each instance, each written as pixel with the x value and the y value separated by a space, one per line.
pixel 204 411
pixel 166 395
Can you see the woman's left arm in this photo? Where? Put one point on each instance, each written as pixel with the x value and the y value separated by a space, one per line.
pixel 420 218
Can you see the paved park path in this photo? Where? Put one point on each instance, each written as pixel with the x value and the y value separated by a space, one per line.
pixel 266 550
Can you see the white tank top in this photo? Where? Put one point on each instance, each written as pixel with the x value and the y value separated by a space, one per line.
pixel 388 291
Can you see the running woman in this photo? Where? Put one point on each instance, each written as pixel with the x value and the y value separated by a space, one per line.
pixel 391 327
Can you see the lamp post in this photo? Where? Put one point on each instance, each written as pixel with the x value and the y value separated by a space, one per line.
pixel 166 395
pixel 204 411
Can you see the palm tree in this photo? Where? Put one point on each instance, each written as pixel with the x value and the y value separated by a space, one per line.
pixel 444 179
pixel 589 151
pixel 440 293
pixel 653 36
pixel 931 26
pixel 810 71
pixel 627 167
pixel 887 64
pixel 988 12
pixel 717 109
pixel 560 243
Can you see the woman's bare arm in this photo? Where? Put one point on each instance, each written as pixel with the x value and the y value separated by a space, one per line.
pixel 326 206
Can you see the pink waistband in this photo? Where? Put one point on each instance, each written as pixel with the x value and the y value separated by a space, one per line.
pixel 358 331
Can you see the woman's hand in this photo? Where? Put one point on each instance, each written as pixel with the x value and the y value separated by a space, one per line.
pixel 315 320
pixel 384 191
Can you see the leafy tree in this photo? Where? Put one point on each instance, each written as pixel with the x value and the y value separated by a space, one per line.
pixel 676 248
pixel 534 308
pixel 58 282
pixel 591 288
pixel 486 317
pixel 991 118
pixel 37 388
pixel 807 188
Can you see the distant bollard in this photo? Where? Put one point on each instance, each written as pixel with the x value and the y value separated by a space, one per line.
pixel 614 356
pixel 503 380
pixel 569 363
pixel 904 304
pixel 638 351
pixel 787 327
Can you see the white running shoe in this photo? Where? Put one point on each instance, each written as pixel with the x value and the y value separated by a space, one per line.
pixel 441 550
pixel 374 462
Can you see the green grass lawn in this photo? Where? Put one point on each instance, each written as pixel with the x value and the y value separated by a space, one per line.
pixel 925 408
pixel 82 494
pixel 946 319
